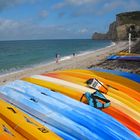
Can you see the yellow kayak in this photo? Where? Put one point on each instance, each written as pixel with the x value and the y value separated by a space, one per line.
pixel 117 82
pixel 127 54
pixel 23 124
pixel 7 133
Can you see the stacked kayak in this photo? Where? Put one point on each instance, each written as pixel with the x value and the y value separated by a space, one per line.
pixel 123 93
pixel 129 58
pixel 114 81
pixel 131 76
pixel 23 124
pixel 70 119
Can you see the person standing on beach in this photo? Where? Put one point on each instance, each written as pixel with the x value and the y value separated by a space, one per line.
pixel 73 54
pixel 57 56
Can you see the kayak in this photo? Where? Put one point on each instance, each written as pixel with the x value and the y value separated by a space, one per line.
pixel 40 109
pixel 113 57
pixel 124 57
pixel 7 133
pixel 120 96
pixel 65 81
pixel 131 76
pixel 117 82
pixel 23 124
pixel 82 82
pixel 80 116
pixel 127 54
pixel 129 97
pixel 132 114
pixel 129 58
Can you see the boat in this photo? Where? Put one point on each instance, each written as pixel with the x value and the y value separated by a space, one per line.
pixel 24 124
pixel 113 57
pixel 48 112
pixel 124 57
pixel 76 119
pixel 120 96
pixel 116 82
pixel 127 54
pixel 125 98
pixel 123 110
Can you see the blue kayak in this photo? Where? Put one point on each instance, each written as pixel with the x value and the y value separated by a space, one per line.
pixel 127 58
pixel 131 76
pixel 130 58
pixel 30 105
pixel 68 118
pixel 112 57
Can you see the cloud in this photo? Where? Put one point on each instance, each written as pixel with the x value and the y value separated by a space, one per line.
pixel 74 3
pixel 59 5
pixel 6 24
pixel 83 31
pixel 61 14
pixel 10 3
pixel 80 2
pixel 76 8
pixel 14 30
pixel 44 14
pixel 110 6
pixel 95 7
pixel 11 29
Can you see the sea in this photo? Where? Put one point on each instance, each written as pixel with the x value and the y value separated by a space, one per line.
pixel 16 55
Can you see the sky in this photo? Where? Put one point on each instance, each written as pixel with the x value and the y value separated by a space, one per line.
pixel 59 19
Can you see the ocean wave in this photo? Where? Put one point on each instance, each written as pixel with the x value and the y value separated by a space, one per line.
pixel 66 57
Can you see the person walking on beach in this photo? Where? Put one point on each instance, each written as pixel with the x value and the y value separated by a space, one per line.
pixel 73 54
pixel 57 56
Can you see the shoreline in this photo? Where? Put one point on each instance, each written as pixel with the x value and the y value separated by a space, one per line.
pixel 82 53
pixel 81 61
pixel 52 60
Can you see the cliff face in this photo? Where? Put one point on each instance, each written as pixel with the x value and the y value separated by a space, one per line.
pixel 128 18
pixel 99 36
pixel 118 30
pixel 111 34
pixel 128 22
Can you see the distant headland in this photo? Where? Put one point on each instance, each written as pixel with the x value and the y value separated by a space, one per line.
pixel 119 29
